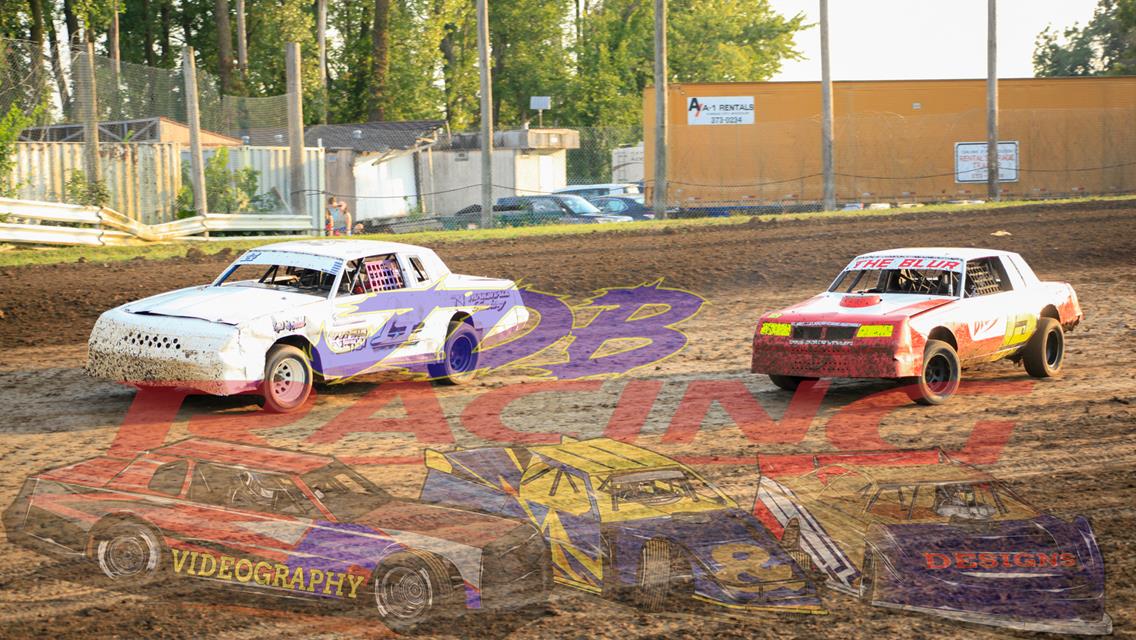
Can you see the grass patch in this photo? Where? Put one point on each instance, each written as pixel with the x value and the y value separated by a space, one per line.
pixel 13 256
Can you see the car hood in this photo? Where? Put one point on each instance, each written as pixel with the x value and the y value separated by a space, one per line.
pixel 228 305
pixel 442 523
pixel 1038 554
pixel 831 305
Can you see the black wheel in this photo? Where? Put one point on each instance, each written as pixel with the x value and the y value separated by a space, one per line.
pixel 287 379
pixel 1045 351
pixel 129 553
pixel 868 575
pixel 459 357
pixel 940 376
pixel 661 576
pixel 788 383
pixel 411 588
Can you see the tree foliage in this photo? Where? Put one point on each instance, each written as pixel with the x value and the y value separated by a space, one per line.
pixel 593 56
pixel 1104 46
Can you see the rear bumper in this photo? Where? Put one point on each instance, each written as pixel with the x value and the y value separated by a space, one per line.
pixel 779 355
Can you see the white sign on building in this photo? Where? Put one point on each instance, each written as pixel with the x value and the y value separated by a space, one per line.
pixel 720 110
pixel 970 161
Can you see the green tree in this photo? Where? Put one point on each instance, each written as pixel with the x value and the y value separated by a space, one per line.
pixel 11 124
pixel 709 41
pixel 1104 46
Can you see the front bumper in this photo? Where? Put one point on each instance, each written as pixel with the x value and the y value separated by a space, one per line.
pixel 1097 627
pixel 144 350
pixel 872 358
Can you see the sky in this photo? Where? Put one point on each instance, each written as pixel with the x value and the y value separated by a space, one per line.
pixel 914 39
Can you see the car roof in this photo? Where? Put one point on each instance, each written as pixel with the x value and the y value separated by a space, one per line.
pixel 964 253
pixel 602 456
pixel 262 458
pixel 907 475
pixel 341 248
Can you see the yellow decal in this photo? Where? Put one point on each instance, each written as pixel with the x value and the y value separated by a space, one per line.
pixel 230 568
pixel 1019 328
pixel 875 331
pixel 744 565
pixel 775 314
pixel 775 328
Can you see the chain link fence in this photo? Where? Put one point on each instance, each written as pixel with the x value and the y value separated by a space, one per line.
pixel 431 179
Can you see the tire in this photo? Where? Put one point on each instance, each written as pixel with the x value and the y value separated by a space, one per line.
pixel 940 376
pixel 1045 351
pixel 287 379
pixel 868 575
pixel 411 588
pixel 129 553
pixel 661 577
pixel 459 356
pixel 788 383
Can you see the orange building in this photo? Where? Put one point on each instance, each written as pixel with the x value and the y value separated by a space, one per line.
pixel 895 141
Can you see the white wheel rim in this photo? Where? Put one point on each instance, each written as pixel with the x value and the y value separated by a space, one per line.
pixel 288 380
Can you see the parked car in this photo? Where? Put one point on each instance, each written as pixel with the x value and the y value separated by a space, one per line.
pixel 919 315
pixel 563 209
pixel 283 313
pixel 624 206
pixel 619 517
pixel 606 189
pixel 918 531
pixel 277 522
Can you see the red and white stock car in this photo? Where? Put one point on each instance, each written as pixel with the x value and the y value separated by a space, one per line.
pixel 919 315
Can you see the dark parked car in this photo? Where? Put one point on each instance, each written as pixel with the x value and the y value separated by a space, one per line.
pixel 523 211
pixel 624 206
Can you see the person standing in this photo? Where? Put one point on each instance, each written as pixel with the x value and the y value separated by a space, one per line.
pixel 337 219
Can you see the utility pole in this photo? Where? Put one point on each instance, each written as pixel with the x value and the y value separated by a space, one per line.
pixel 193 115
pixel 88 98
pixel 660 190
pixel 116 63
pixel 321 41
pixel 992 100
pixel 486 114
pixel 296 131
pixel 115 52
pixel 826 113
pixel 242 44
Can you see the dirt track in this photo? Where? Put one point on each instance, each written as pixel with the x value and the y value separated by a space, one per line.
pixel 1071 449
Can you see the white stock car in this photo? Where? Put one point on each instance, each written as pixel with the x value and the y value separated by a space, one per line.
pixel 284 314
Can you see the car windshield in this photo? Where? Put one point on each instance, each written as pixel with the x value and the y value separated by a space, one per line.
pixel 658 487
pixel 931 282
pixel 345 493
pixel 578 205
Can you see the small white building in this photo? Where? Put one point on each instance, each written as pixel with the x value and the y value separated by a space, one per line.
pixel 525 162
pixel 627 163
pixel 373 166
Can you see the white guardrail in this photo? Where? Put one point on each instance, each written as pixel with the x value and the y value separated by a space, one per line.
pixel 21 221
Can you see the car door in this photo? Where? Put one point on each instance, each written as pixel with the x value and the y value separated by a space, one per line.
pixel 241 513
pixel 615 206
pixel 564 508
pixel 988 310
pixel 373 318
